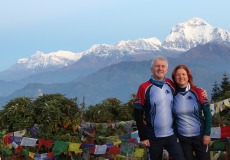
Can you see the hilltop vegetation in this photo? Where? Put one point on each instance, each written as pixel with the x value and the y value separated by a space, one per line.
pixel 55 117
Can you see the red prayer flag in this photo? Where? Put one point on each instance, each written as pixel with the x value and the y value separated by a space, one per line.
pixel 114 150
pixel 7 140
pixel 225 131
pixel 46 143
pixel 93 149
pixel 50 154
pixel 132 140
pixel 19 149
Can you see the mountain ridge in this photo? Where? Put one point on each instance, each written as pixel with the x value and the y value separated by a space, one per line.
pixel 121 80
pixel 182 37
pixel 102 56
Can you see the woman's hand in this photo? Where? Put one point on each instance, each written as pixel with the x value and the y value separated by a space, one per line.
pixel 204 93
pixel 206 140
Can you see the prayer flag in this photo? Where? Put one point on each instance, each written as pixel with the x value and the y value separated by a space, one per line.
pixel 16 139
pixel 46 143
pixel 50 155
pixel 220 132
pixel 114 150
pixel 59 147
pixel 117 143
pixel 7 140
pixel 100 149
pixel 212 108
pixel 20 133
pixel 19 149
pixel 74 147
pixel 31 154
pixel 225 131
pixel 226 102
pixel 25 152
pixel 15 145
pixel 28 141
pixel 84 146
pixel 139 152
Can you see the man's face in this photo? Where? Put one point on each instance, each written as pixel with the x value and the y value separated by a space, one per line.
pixel 159 70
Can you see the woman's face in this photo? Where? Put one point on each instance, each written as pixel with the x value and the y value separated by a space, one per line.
pixel 181 78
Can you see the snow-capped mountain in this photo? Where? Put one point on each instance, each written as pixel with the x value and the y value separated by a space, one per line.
pixel 41 61
pixel 196 31
pixel 140 44
pixel 52 60
pixel 74 69
pixel 183 37
pixel 207 62
pixel 124 48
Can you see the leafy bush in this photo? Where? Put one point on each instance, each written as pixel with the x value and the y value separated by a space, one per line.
pixel 56 116
pixel 18 114
pixel 110 110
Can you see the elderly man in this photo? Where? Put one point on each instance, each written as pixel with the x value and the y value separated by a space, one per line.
pixel 153 113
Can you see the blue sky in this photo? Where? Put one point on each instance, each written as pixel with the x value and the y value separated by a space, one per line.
pixel 28 26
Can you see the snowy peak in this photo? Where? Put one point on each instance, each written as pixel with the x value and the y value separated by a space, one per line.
pixel 140 44
pixel 196 22
pixel 124 47
pixel 221 35
pixel 182 37
pixel 54 59
pixel 196 31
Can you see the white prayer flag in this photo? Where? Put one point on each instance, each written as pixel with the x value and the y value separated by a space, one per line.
pixel 15 145
pixel 215 132
pixel 212 108
pixel 226 102
pixel 100 149
pixel 20 133
pixel 28 142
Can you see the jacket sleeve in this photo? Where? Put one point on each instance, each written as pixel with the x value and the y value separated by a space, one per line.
pixel 141 127
pixel 208 118
pixel 139 112
pixel 206 111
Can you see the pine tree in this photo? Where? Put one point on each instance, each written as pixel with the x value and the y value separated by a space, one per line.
pixel 225 86
pixel 216 92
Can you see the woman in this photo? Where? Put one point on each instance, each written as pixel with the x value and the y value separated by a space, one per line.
pixel 192 115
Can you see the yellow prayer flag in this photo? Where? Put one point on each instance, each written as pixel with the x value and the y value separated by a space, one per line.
pixel 119 157
pixel 217 106
pixel 74 147
pixel 117 143
pixel 112 138
pixel 211 142
pixel 211 154
pixel 31 154
pixel 139 152
pixel 9 146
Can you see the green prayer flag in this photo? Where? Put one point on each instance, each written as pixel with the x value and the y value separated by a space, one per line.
pixel 25 152
pixel 6 151
pixel 219 146
pixel 59 147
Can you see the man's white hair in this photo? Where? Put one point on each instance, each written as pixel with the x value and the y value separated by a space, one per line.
pixel 159 58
